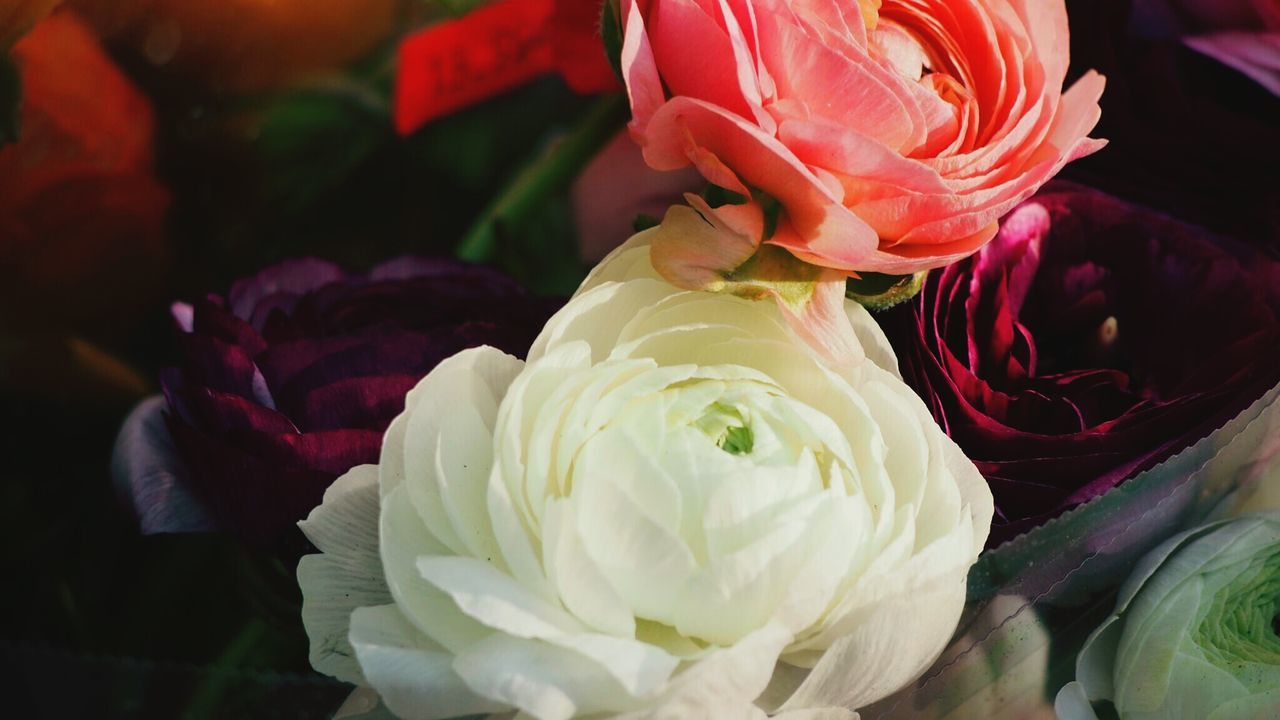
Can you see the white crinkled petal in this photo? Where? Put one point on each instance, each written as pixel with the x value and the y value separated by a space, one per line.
pixel 414 676
pixel 495 599
pixel 463 460
pixel 403 540
pixel 874 342
pixel 628 261
pixel 594 317
pixel 639 667
pixel 453 397
pixel 541 679
pixel 583 589
pixel 515 429
pixel 349 573
pixel 724 682
pixel 642 558
pixel 889 646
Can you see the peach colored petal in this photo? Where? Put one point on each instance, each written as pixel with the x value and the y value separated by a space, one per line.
pixel 696 57
pixel 862 159
pixel 850 89
pixel 907 259
pixel 824 227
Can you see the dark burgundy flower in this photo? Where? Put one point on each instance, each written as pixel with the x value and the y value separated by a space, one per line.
pixel 291 379
pixel 1091 340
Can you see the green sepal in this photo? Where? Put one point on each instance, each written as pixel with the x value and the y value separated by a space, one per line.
pixel 644 222
pixel 877 291
pixel 717 196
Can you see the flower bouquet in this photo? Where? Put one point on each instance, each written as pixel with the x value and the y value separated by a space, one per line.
pixel 642 359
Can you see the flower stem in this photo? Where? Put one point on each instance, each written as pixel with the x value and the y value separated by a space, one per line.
pixel 548 174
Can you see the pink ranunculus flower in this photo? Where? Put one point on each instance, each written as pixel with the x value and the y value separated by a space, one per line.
pixel 893 133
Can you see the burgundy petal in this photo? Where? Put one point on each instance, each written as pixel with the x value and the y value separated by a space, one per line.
pixel 1090 341
pixel 291 380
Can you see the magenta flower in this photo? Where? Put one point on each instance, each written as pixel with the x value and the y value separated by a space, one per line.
pixel 1090 340
pixel 290 380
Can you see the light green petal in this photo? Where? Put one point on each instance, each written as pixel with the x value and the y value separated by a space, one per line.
pixel 1072 703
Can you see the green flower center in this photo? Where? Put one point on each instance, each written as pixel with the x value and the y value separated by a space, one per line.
pixel 726 425
pixel 1242 624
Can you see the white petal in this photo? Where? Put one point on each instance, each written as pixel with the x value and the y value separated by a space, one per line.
pixel 452 390
pixel 515 427
pixel 1073 704
pixel 873 340
pixel 725 682
pixel 403 539
pixel 639 667
pixel 826 713
pixel 516 541
pixel 583 589
pixel 645 561
pixel 742 591
pixel 149 474
pixel 890 645
pixel 545 681
pixel 416 680
pixel 495 599
pixel 628 261
pixel 593 316
pixel 347 576
pixel 462 466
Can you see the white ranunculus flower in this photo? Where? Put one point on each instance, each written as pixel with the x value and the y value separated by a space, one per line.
pixel 673 509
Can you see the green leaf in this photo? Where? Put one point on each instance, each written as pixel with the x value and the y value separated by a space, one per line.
pixel 313 139
pixel 611 33
pixel 10 100
pixel 544 178
pixel 1076 556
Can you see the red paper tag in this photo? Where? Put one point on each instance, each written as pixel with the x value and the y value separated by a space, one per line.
pixel 459 62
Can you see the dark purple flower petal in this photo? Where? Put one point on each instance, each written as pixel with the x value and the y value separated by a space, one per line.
pixel 291 380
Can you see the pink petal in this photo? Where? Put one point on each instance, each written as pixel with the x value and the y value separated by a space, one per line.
pixel 826 232
pixel 1257 55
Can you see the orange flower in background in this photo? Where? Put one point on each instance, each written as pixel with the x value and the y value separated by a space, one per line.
pixel 245 45
pixel 17 16
pixel 81 214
